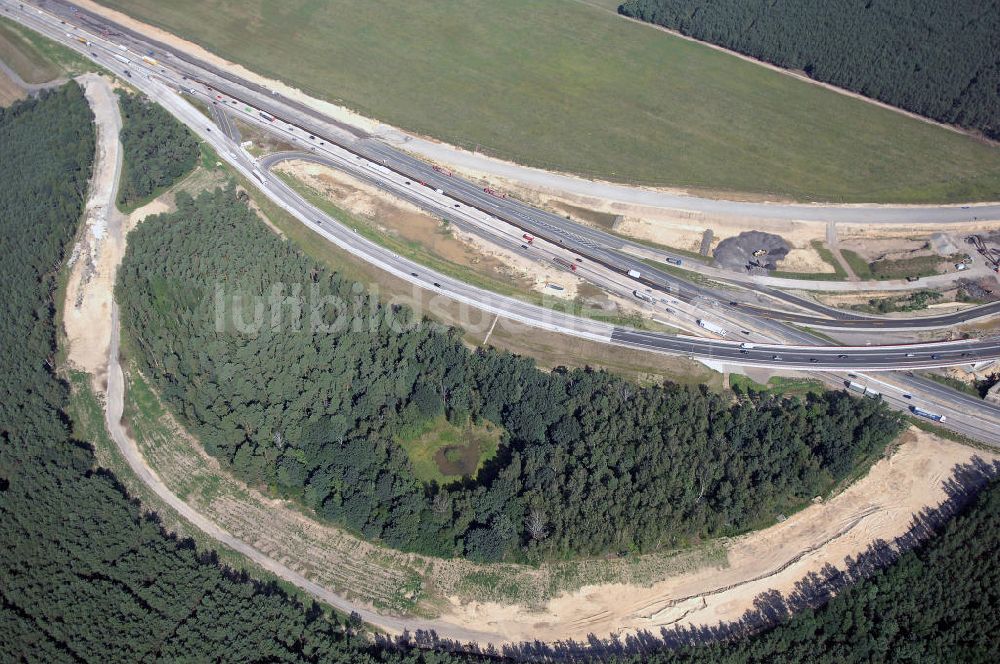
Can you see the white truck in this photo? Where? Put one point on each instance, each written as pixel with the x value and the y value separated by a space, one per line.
pixel 712 327
pixel 635 274
pixel 863 389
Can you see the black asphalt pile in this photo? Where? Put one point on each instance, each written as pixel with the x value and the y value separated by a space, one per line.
pixel 753 251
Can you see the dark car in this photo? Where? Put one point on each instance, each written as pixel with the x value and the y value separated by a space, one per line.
pixel 842 356
pixel 935 356
pixel 437 285
pixel 413 274
pixel 524 246
pixel 813 360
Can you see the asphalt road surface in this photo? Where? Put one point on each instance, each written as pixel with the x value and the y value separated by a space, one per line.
pixel 588 242
pixel 161 84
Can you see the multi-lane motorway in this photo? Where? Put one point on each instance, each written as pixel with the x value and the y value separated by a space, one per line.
pixel 445 194
pixel 594 244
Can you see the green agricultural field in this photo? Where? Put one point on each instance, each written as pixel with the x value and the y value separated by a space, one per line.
pixel 570 86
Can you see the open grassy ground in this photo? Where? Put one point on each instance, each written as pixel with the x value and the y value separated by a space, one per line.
pixel 443 452
pixel 779 385
pixel 37 59
pixel 9 91
pixel 569 86
pixel 23 57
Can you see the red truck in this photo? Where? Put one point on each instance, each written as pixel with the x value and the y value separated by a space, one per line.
pixel 562 262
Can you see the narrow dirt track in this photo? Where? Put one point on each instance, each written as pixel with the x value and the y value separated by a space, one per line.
pixel 878 506
pixel 107 169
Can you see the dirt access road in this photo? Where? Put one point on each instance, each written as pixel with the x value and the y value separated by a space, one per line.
pixel 878 506
pixel 98 251
pixel 93 337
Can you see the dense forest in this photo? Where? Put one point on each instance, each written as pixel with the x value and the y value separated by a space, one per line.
pixel 937 59
pixel 86 575
pixel 589 464
pixel 158 150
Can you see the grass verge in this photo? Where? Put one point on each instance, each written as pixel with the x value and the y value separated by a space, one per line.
pixel 41 56
pixel 860 266
pixel 778 385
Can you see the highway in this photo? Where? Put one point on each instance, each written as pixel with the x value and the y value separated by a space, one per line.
pixel 774 344
pixel 591 243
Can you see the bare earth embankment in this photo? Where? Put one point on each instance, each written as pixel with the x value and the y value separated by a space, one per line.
pixel 456 598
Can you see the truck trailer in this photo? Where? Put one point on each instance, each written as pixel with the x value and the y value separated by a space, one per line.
pixel 712 327
pixel 926 413
pixel 562 262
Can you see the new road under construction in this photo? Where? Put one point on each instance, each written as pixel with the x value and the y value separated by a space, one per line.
pixel 736 333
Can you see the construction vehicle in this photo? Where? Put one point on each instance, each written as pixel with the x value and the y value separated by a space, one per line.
pixel 712 327
pixel 916 410
pixel 990 255
pixel 760 252
pixel 562 262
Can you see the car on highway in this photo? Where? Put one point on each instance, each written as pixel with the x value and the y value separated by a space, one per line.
pixel 813 360
pixel 437 285
pixel 842 356
pixel 524 246
pixel 579 260
pixel 907 395
pixel 744 351
pixel 935 356
pixel 775 357
pixel 413 274
pixel 911 355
